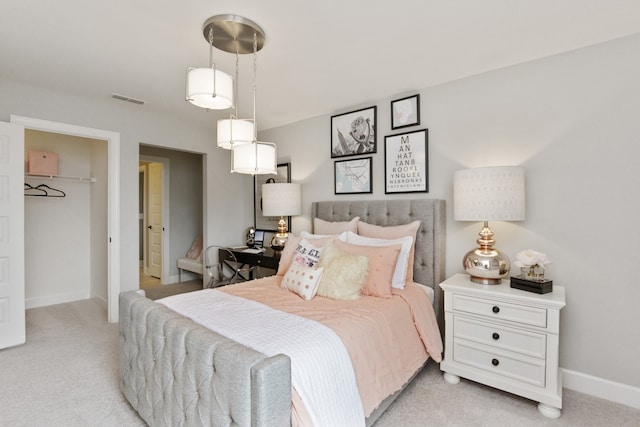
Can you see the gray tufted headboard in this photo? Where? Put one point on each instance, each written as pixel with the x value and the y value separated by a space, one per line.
pixel 429 262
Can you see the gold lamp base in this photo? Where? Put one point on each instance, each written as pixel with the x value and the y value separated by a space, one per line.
pixel 486 265
pixel 279 240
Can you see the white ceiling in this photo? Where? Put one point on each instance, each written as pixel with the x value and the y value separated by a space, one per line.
pixel 320 57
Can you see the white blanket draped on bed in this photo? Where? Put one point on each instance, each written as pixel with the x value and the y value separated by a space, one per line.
pixel 321 370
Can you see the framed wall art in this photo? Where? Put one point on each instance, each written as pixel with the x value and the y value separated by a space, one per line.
pixel 353 133
pixel 353 176
pixel 405 112
pixel 406 162
pixel 265 222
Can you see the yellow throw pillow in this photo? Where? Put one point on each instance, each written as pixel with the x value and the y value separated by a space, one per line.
pixel 344 274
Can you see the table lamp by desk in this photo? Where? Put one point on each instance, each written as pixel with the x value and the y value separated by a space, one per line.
pixel 488 194
pixel 280 199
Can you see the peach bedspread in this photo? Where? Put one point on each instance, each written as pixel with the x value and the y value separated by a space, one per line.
pixel 388 339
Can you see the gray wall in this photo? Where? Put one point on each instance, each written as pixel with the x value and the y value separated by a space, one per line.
pixel 572 122
pixel 229 204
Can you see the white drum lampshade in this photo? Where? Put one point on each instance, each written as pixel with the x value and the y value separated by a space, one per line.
pixel 201 90
pixel 281 199
pixel 234 132
pixel 257 158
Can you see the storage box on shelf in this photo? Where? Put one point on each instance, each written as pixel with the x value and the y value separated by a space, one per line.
pixel 505 338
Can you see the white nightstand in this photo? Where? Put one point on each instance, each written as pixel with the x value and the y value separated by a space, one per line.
pixel 505 338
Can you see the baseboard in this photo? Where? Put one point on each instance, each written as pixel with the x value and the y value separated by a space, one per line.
pixel 55 299
pixel 602 388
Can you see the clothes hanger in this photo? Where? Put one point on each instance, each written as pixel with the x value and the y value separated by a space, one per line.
pixel 57 193
pixel 28 189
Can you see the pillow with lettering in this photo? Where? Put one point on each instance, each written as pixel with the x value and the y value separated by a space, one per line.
pixel 292 249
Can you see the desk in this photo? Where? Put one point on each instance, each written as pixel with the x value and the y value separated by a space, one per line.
pixel 268 259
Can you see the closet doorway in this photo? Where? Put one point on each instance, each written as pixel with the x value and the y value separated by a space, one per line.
pixel 110 269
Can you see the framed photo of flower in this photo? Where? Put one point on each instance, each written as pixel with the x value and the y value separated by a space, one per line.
pixel 405 112
pixel 353 133
pixel 406 162
pixel 353 176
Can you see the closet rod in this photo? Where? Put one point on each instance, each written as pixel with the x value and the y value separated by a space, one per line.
pixel 61 177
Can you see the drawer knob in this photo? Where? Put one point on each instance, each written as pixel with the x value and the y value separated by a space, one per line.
pixel 495 362
pixel 496 309
pixel 495 336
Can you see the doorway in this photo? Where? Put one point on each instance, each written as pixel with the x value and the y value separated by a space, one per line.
pixel 113 184
pixel 182 217
pixel 154 220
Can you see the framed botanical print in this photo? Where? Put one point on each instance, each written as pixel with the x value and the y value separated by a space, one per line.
pixel 264 222
pixel 353 133
pixel 405 112
pixel 353 176
pixel 406 162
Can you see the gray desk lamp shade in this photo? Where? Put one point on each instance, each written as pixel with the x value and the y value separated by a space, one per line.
pixel 488 194
pixel 280 199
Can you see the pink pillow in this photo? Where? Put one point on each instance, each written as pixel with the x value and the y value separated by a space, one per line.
pixel 195 251
pixel 290 250
pixel 320 226
pixel 382 263
pixel 393 232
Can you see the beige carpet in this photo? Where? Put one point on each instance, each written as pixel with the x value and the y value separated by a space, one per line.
pixel 66 375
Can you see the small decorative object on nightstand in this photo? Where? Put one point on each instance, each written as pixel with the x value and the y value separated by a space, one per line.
pixel 504 338
pixel 532 268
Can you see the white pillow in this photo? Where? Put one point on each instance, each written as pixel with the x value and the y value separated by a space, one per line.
pixel 302 280
pixel 400 272
pixel 307 235
pixel 306 254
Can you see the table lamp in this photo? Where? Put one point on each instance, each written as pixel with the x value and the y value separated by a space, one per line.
pixel 280 199
pixel 488 194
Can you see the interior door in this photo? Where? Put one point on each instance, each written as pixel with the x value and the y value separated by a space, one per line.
pixel 155 220
pixel 12 318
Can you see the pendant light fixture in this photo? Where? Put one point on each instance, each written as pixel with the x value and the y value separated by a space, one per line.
pixel 234 131
pixel 255 158
pixel 208 87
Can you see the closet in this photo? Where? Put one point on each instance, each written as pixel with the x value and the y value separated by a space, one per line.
pixel 66 221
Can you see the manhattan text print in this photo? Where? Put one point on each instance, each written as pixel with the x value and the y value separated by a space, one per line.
pixel 406 163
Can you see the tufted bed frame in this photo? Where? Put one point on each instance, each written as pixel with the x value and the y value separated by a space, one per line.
pixel 175 372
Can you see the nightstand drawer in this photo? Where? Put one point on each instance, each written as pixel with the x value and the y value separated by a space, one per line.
pixel 500 310
pixel 520 368
pixel 498 336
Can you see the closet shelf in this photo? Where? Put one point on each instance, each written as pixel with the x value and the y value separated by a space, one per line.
pixel 61 177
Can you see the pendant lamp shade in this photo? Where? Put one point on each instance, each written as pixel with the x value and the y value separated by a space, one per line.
pixel 257 158
pixel 233 132
pixel 209 88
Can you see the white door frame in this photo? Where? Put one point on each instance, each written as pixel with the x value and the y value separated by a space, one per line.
pixel 166 220
pixel 113 144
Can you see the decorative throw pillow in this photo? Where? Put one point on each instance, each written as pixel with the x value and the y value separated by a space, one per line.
pixel 306 235
pixel 302 280
pixel 320 226
pixel 344 274
pixel 287 254
pixel 400 271
pixel 393 232
pixel 195 251
pixel 382 263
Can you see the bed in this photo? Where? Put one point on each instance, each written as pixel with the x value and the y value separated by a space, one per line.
pixel 175 371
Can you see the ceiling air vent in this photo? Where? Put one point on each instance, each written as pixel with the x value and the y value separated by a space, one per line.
pixel 128 99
